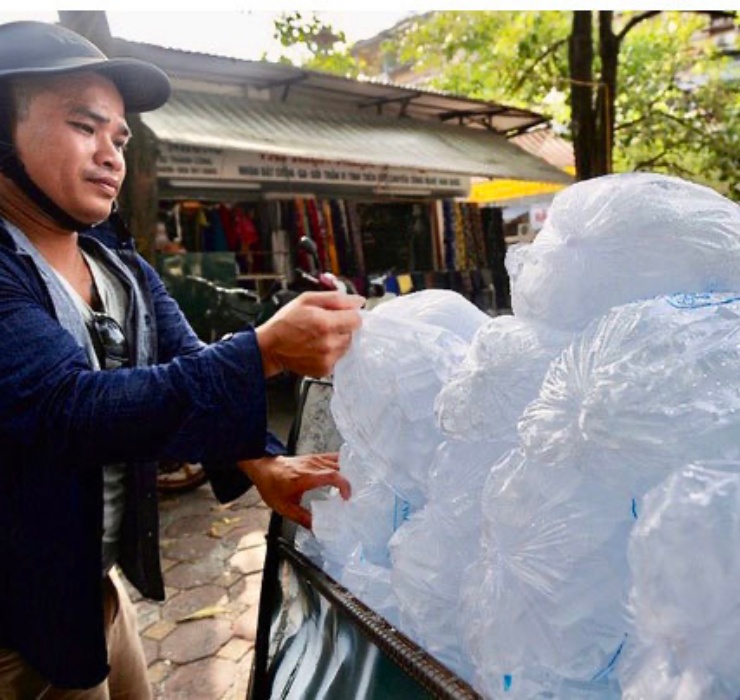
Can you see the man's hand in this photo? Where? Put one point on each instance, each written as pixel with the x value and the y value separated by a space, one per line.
pixel 282 481
pixel 310 334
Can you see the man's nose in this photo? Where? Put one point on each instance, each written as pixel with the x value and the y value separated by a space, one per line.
pixel 110 156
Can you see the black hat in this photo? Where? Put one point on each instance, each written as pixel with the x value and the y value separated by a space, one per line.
pixel 39 49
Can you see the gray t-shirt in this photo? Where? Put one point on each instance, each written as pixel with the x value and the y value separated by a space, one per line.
pixel 115 302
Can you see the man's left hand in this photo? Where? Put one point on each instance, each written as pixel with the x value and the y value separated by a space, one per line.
pixel 282 481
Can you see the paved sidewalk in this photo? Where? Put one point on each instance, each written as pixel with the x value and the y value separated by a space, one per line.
pixel 199 642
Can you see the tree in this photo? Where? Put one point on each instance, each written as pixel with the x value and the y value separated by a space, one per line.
pixel 593 102
pixel 327 49
pixel 649 96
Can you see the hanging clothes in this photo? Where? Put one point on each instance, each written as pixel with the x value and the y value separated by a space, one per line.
pixel 340 237
pixel 300 230
pixel 194 222
pixel 214 236
pixel 225 214
pixel 436 217
pixel 243 238
pixel 450 249
pixel 459 224
pixel 356 234
pixel 330 240
pixel 317 234
pixel 263 244
pixel 479 237
pixel 274 219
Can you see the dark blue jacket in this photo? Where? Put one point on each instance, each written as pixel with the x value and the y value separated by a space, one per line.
pixel 60 422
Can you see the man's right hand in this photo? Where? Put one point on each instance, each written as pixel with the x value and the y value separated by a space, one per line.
pixel 310 334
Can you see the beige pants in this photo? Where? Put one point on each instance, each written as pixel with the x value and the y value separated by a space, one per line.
pixel 128 675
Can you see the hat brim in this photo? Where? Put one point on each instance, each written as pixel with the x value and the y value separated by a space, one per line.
pixel 142 85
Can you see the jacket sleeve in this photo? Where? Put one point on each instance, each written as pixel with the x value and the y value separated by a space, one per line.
pixel 175 337
pixel 208 402
pixel 228 481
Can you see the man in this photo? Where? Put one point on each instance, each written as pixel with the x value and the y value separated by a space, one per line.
pixel 100 376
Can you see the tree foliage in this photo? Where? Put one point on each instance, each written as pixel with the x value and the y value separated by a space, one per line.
pixel 670 109
pixel 511 57
pixel 324 47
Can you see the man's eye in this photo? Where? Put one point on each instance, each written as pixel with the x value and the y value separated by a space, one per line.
pixel 86 128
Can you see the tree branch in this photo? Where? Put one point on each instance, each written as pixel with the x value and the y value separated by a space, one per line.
pixel 526 73
pixel 650 161
pixel 677 167
pixel 634 21
pixel 634 122
pixel 682 122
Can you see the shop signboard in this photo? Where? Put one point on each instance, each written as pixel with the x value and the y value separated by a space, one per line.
pixel 182 164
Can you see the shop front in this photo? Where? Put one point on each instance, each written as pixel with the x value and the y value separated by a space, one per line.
pixel 252 156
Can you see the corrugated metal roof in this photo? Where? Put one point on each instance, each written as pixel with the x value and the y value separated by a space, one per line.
pixel 543 143
pixel 226 122
pixel 295 85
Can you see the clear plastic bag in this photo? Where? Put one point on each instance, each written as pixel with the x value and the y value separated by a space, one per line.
pixel 438 307
pixel 543 600
pixel 622 238
pixel 684 556
pixel 384 393
pixel 648 384
pixel 501 374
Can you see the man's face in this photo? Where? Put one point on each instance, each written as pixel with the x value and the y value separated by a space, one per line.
pixel 71 140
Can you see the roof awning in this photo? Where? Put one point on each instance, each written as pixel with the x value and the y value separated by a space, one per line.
pixel 511 192
pixel 234 124
pixel 542 143
pixel 294 85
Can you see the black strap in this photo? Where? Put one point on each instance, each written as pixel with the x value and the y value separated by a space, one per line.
pixel 12 168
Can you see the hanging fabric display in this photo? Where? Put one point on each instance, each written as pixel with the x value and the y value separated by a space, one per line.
pixel 316 234
pixel 449 235
pixel 463 238
pixel 349 240
pixel 436 244
pixel 340 235
pixel 436 217
pixel 301 230
pixel 330 240
pixel 356 233
pixel 461 252
pixel 244 237
pixel 469 261
pixel 479 240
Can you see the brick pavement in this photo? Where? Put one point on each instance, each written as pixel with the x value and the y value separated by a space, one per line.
pixel 199 642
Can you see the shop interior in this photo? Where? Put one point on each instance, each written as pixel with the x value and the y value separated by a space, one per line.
pixel 411 244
